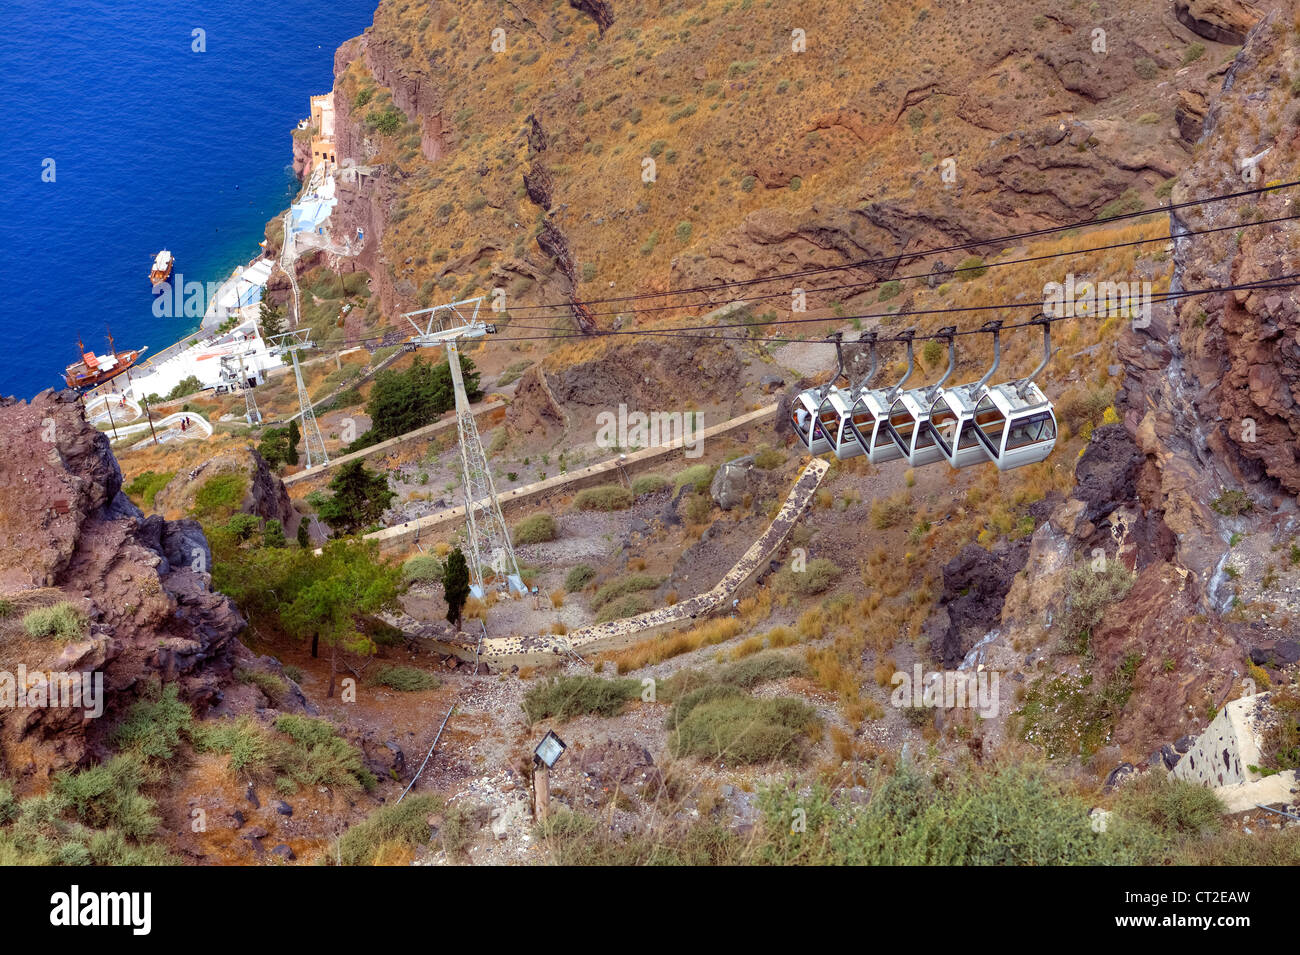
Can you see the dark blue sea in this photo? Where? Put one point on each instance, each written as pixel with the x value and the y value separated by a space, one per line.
pixel 153 146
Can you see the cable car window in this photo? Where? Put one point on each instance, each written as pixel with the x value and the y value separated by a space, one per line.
pixel 968 439
pixel 1030 431
pixel 990 419
pixel 902 421
pixel 945 423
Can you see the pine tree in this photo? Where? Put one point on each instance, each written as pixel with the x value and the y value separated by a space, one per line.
pixel 455 585
pixel 360 498
pixel 294 437
pixel 272 319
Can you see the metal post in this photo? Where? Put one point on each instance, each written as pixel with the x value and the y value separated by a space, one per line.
pixel 148 414
pixel 542 792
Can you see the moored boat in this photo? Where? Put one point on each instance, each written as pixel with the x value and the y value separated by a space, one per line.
pixel 95 369
pixel 162 267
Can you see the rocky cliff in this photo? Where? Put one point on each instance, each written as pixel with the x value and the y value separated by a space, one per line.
pixel 68 533
pixel 681 150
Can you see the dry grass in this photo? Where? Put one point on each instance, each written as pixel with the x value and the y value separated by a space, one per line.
pixel 658 649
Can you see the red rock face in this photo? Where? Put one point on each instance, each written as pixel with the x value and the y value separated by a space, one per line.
pixel 1245 346
pixel 1224 21
pixel 144 584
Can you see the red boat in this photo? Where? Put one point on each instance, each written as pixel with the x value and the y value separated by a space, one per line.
pixel 95 369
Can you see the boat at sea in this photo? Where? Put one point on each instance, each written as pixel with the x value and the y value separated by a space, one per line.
pixel 95 369
pixel 163 264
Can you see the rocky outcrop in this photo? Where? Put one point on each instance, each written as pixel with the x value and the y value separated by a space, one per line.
pixel 265 495
pixel 1189 114
pixel 975 586
pixel 67 532
pixel 1223 21
pixel 599 10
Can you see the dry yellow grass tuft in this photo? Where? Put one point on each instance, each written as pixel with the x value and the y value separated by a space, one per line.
pixel 658 649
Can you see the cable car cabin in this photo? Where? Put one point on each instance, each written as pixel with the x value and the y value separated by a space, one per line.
pixel 867 424
pixel 908 426
pixel 834 420
pixel 953 413
pixel 804 417
pixel 1015 430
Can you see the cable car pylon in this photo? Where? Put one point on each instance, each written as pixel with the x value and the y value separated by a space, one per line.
pixel 313 441
pixel 486 530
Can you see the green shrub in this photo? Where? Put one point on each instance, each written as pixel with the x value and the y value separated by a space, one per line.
pixel 242 526
pixel 535 529
pixel 64 621
pixel 404 679
pixel 737 728
pixel 649 484
pixel 971 267
pixel 145 487
pixel 627 585
pixel 319 756
pixel 1087 595
pixel 1173 807
pixel 815 578
pixel 108 796
pixel 578 577
pixel 402 824
pixel 626 606
pixel 1146 67
pixel 273 534
pixel 890 290
pixel 386 121
pixel 565 697
pixel 607 497
pixel 1128 202
pixel 422 568
pixel 220 495
pixel 246 743
pixel 760 668
pixel 186 386
pixel 698 508
pixel 698 475
pixel 275 689
pixel 154 726
pixel 1232 503
pixel 768 459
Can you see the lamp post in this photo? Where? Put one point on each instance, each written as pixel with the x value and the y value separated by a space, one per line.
pixel 148 416
pixel 550 749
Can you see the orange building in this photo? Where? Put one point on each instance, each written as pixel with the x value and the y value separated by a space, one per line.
pixel 322 121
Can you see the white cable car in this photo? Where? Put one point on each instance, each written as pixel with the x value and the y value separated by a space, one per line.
pixel 953 413
pixel 868 415
pixel 837 406
pixel 1017 424
pixel 803 415
pixel 909 414
pixel 817 426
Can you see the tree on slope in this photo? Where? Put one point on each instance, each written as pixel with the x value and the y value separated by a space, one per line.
pixel 455 585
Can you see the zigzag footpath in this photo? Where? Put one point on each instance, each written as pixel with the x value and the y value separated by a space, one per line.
pixel 532 650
